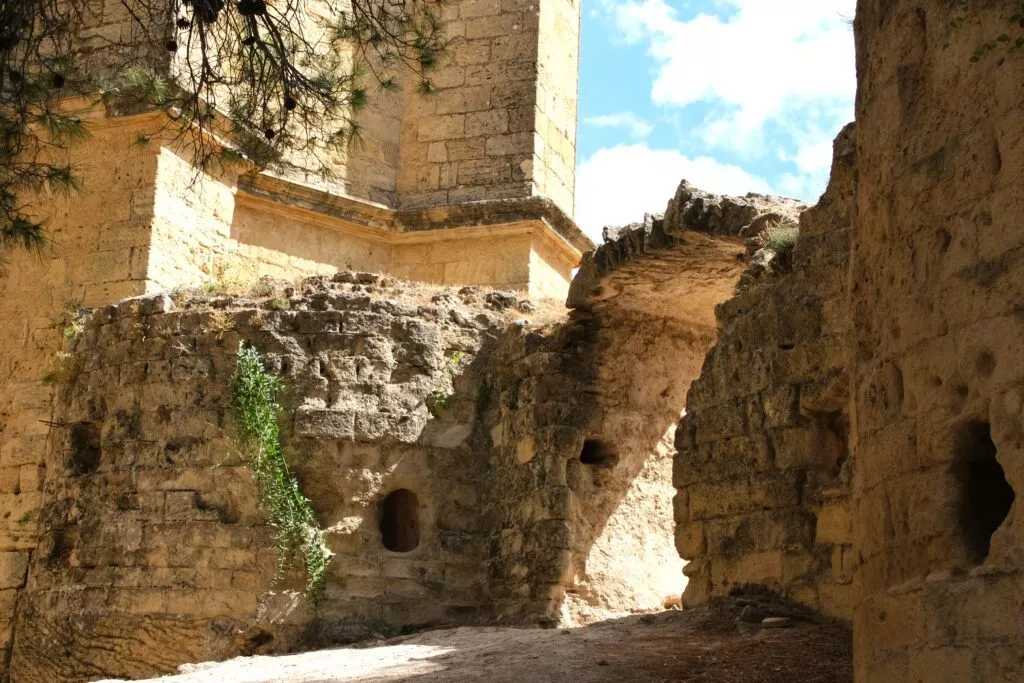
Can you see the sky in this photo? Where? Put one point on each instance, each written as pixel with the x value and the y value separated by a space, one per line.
pixel 735 96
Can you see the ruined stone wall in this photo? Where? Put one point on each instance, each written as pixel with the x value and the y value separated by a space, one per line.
pixel 623 470
pixel 938 374
pixel 763 471
pixel 149 522
pixel 587 411
pixel 152 551
pixel 653 288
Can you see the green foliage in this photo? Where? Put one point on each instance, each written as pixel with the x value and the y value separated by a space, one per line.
pixel 37 68
pixel 222 286
pixel 782 239
pixel 250 82
pixel 298 536
pixel 74 319
pixel 442 400
pixel 262 288
pixel 1010 40
pixel 135 85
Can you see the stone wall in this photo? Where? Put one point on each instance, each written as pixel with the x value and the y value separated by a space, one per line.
pixel 149 519
pixel 762 466
pixel 586 424
pixel 502 123
pixel 938 366
pixel 652 289
pixel 152 551
pixel 97 254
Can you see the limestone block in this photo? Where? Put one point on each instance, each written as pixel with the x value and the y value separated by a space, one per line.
pixel 479 8
pixel 472 52
pixel 771 490
pixel 781 406
pixel 441 127
pixel 798 447
pixel 835 525
pixel 753 568
pixel 511 144
pixel 499 25
pixel 946 665
pixel 689 539
pixel 485 123
pixel 459 150
pixel 759 531
pixel 325 423
pixel 9 479
pixel 473 97
pixel 13 569
pixel 483 75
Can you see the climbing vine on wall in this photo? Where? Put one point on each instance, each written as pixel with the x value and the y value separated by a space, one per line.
pixel 299 537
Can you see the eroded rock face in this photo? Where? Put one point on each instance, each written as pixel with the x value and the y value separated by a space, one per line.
pixel 938 373
pixel 651 290
pixel 682 264
pixel 762 468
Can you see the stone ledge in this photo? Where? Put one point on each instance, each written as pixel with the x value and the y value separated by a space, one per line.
pixel 605 273
pixel 400 221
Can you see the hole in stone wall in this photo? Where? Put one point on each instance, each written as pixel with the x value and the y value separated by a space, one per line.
pixel 598 454
pixel 84 454
pixel 400 521
pixel 985 495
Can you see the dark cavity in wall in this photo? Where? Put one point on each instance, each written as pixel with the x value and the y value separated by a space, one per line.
pixel 985 495
pixel 84 448
pixel 400 521
pixel 598 454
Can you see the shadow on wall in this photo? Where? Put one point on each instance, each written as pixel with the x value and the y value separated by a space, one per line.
pixel 624 558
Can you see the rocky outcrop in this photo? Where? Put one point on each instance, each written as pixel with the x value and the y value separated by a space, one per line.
pixel 650 292
pixel 680 264
pixel 762 466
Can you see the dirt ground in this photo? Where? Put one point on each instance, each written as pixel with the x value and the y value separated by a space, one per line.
pixel 723 644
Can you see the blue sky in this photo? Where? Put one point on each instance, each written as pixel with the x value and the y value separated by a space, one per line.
pixel 733 95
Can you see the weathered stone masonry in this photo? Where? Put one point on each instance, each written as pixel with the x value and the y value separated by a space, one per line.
pixel 938 362
pixel 486 202
pixel 152 551
pixel 763 469
pixel 916 358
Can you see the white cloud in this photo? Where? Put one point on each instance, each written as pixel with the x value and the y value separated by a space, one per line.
pixel 769 63
pixel 637 127
pixel 618 185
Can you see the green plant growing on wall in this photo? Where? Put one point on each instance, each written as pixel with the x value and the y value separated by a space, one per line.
pixel 1012 39
pixel 441 399
pixel 299 536
pixel 74 319
pixel 781 239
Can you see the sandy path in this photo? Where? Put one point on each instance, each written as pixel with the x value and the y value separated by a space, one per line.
pixel 693 645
